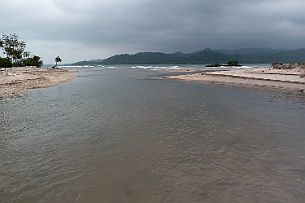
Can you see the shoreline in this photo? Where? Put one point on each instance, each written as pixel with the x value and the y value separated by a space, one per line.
pixel 270 78
pixel 16 80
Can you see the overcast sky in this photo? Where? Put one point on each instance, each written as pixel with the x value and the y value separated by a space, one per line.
pixel 88 29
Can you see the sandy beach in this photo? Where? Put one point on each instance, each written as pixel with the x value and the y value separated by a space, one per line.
pixel 285 79
pixel 16 80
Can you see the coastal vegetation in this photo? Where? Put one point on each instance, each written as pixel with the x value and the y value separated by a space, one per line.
pixel 207 56
pixel 5 63
pixel 32 61
pixel 57 60
pixel 14 49
pixel 233 63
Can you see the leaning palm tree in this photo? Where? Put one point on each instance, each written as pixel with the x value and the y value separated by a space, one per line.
pixel 57 60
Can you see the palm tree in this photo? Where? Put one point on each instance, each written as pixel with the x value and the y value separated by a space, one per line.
pixel 57 60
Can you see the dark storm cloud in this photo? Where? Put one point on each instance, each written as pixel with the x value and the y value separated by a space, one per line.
pixel 101 28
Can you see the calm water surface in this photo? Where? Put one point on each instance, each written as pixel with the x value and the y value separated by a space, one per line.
pixel 118 135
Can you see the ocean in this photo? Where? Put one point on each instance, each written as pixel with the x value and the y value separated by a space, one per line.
pixel 119 134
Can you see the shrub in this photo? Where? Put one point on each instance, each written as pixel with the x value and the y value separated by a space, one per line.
pixel 33 61
pixel 233 63
pixel 5 63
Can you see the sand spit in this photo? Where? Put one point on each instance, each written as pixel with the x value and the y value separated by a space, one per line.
pixel 16 80
pixel 285 79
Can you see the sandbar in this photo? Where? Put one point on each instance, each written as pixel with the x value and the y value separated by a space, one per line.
pixel 285 79
pixel 18 79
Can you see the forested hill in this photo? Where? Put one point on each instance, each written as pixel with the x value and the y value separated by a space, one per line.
pixel 204 57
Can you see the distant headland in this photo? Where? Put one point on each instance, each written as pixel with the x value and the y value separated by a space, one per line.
pixel 206 56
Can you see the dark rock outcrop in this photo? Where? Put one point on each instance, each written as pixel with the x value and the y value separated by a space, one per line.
pixel 288 66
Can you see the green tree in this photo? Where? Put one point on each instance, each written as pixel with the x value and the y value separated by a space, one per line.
pixel 233 63
pixel 26 54
pixel 37 61
pixel 57 60
pixel 5 63
pixel 12 46
pixel 32 61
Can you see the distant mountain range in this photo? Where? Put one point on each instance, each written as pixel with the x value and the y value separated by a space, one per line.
pixel 244 56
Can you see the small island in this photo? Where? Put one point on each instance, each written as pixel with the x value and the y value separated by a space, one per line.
pixel 230 64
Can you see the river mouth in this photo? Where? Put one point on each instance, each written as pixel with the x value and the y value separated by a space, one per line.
pixel 114 135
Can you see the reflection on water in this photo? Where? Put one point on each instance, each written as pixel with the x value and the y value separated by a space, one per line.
pixel 114 136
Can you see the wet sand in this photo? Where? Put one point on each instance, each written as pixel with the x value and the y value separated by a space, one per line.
pixel 288 79
pixel 16 80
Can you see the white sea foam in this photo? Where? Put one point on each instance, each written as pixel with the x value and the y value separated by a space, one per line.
pixel 87 66
pixel 236 67
pixel 155 67
pixel 71 66
pixel 142 67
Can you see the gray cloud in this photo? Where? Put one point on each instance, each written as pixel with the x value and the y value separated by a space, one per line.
pixel 84 29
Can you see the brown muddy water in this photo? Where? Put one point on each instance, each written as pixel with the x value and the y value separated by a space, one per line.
pixel 114 135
